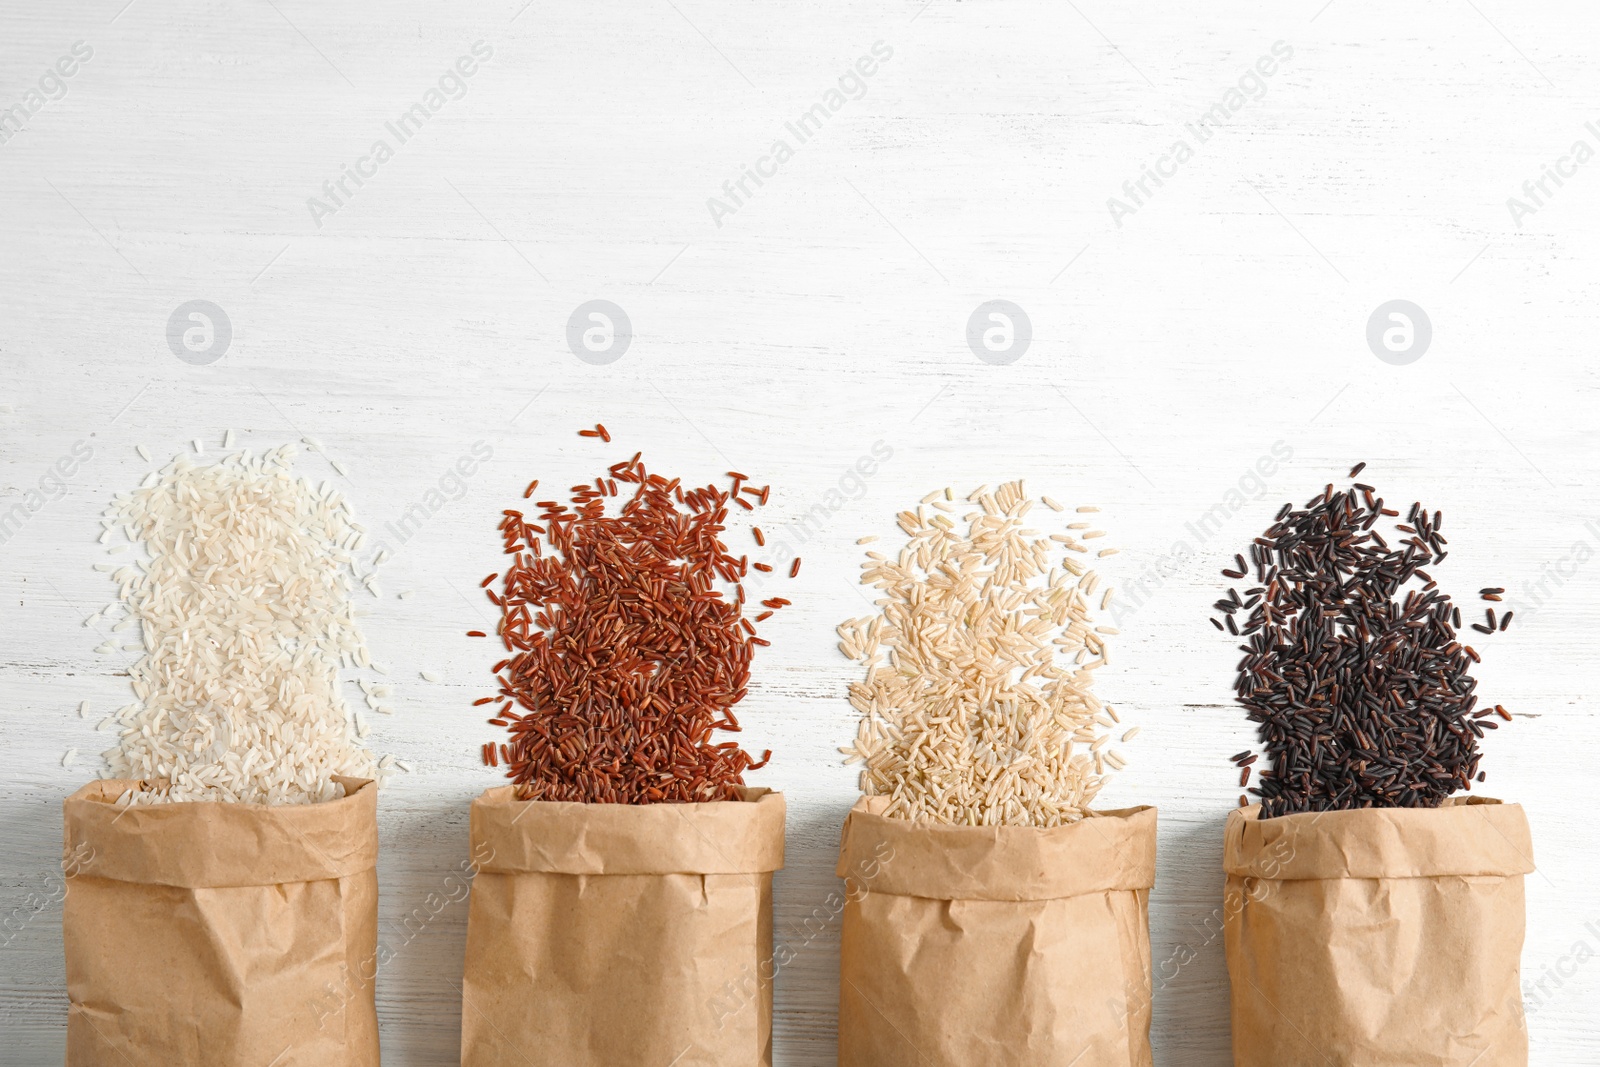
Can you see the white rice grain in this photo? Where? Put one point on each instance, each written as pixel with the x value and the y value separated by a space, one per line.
pixel 246 612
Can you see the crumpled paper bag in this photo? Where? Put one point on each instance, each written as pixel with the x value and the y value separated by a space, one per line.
pixel 209 933
pixel 1384 937
pixel 969 946
pixel 604 935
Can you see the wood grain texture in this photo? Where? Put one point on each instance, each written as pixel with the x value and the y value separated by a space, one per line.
pixel 827 313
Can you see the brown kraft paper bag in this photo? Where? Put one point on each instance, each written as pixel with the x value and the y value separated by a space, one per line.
pixel 605 935
pixel 966 946
pixel 210 933
pixel 1381 937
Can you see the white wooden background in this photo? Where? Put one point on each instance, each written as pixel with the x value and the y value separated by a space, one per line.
pixel 826 314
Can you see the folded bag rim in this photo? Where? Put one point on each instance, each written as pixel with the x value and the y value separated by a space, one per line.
pixel 744 836
pixel 1465 837
pixel 206 844
pixel 1108 851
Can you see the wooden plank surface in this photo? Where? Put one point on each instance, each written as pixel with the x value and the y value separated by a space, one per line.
pixel 1172 347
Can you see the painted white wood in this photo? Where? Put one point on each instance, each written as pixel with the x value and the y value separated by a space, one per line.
pixel 826 313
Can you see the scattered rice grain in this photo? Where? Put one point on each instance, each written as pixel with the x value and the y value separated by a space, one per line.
pixel 246 611
pixel 972 703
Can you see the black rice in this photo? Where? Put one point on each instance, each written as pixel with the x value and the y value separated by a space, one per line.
pixel 1353 672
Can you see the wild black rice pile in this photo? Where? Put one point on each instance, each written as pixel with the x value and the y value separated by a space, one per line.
pixel 627 639
pixel 1352 666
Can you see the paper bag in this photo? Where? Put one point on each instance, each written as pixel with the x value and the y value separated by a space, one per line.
pixel 602 935
pixel 1384 937
pixel 967 946
pixel 209 933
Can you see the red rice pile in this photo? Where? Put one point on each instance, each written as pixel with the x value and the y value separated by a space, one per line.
pixel 628 644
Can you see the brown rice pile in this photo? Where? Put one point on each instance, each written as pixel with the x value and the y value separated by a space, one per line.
pixel 978 706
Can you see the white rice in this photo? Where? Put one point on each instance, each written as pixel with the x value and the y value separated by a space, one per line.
pixel 245 611
pixel 978 705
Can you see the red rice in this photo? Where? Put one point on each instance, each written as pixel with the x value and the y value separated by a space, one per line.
pixel 627 641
